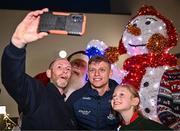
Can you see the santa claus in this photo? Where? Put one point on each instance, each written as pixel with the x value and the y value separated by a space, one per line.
pixel 79 62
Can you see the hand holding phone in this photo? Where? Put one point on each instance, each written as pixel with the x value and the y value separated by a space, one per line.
pixel 62 23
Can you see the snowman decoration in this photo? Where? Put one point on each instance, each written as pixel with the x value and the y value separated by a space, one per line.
pixel 147 39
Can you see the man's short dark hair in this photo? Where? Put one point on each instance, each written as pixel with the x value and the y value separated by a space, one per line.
pixel 50 65
pixel 99 58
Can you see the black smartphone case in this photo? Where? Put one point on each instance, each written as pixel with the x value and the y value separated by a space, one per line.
pixel 62 23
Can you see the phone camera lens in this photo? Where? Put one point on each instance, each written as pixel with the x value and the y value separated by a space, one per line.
pixel 76 18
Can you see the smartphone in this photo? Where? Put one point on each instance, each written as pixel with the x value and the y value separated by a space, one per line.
pixel 62 23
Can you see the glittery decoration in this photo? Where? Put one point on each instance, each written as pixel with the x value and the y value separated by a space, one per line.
pixel 133 30
pixel 146 84
pixel 136 66
pixel 147 68
pixel 148 95
pixel 147 110
pixel 121 48
pixel 92 51
pixel 147 39
pixel 157 43
pixel 112 54
pixel 95 47
pixel 171 30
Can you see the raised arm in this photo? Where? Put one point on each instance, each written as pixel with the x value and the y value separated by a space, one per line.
pixel 22 87
pixel 27 30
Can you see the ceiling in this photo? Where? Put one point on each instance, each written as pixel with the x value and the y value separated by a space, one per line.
pixel 86 6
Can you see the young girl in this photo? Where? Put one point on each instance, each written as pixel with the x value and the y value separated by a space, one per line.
pixel 125 102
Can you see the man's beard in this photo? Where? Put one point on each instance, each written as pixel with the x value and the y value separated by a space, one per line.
pixel 62 84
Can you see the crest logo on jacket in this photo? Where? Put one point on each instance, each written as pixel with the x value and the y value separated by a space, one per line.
pixel 86 98
pixel 111 116
pixel 84 112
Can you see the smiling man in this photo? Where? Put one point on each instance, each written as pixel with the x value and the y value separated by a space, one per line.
pixel 43 107
pixel 91 103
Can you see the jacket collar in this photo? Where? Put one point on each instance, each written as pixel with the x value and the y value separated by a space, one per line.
pixel 94 93
pixel 55 90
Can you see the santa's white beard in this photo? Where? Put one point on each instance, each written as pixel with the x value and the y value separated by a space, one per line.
pixel 75 83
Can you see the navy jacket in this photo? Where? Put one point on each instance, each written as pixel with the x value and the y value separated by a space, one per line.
pixel 43 107
pixel 93 112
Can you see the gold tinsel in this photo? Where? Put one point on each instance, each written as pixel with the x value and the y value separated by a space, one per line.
pixel 133 30
pixel 157 43
pixel 112 54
